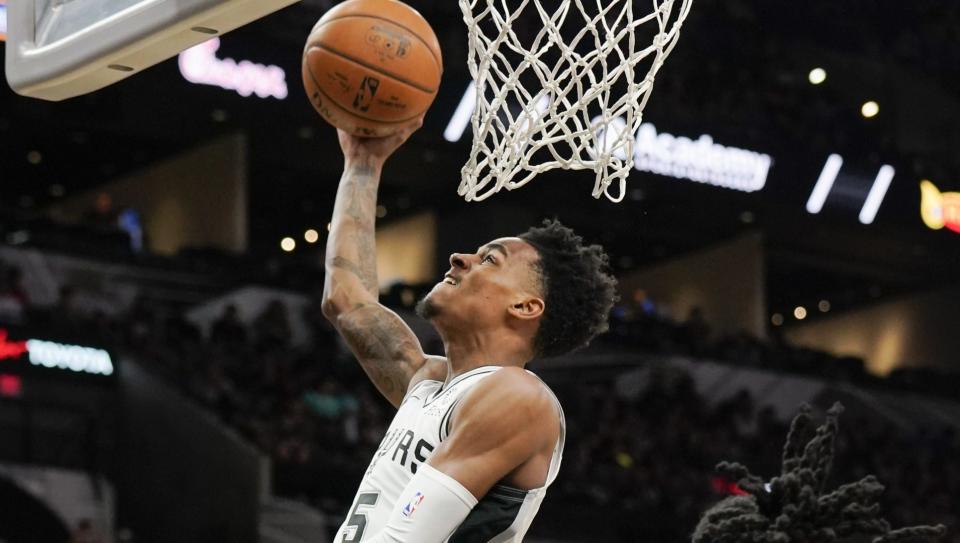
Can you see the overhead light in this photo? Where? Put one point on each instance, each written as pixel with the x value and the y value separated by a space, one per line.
pixel 311 236
pixel 877 192
pixel 817 76
pixel 777 319
pixel 824 306
pixel 800 313
pixel 461 117
pixel 824 183
pixel 34 157
pixel 381 211
pixel 288 244
pixel 870 109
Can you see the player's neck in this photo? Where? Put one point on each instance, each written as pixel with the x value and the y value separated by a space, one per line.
pixel 472 349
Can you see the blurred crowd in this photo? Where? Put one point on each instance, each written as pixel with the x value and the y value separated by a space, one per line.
pixel 651 457
pixel 644 326
pixel 646 459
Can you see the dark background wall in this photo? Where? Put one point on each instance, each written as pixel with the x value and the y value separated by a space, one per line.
pixel 183 477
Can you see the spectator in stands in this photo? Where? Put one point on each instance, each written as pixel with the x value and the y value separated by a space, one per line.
pixel 696 332
pixel 12 286
pixel 102 215
pixel 228 329
pixel 272 326
pixel 84 533
pixel 13 297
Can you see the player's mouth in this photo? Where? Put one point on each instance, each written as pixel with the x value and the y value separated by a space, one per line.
pixel 450 280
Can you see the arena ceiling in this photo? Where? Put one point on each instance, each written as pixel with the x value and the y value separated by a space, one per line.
pixel 739 74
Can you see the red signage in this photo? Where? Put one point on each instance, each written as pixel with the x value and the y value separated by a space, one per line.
pixel 11 350
pixel 10 386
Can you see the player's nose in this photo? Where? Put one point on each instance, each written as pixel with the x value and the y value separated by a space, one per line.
pixel 460 261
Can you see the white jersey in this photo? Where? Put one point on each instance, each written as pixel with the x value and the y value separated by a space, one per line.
pixel 420 425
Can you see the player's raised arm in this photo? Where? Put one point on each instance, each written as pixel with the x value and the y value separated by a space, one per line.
pixel 387 349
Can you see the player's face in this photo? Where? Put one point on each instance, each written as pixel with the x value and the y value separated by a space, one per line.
pixel 481 286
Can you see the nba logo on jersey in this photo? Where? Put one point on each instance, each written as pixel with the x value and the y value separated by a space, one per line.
pixel 412 505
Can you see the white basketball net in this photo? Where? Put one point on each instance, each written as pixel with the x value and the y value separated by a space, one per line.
pixel 570 117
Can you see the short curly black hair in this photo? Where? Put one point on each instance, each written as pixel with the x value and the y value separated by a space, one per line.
pixel 577 288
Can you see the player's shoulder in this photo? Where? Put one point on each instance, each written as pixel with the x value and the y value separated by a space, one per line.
pixel 507 402
pixel 515 387
pixel 517 379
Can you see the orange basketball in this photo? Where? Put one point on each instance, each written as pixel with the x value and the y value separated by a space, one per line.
pixel 371 67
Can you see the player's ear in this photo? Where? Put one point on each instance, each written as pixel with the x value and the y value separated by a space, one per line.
pixel 527 308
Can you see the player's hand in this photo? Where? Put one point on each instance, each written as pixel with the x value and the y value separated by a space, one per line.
pixel 376 149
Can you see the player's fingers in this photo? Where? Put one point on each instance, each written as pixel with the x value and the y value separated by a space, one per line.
pixel 415 124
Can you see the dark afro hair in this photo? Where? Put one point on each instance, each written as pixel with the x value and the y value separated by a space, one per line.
pixel 796 506
pixel 577 289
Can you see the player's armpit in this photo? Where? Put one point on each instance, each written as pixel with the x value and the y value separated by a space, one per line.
pixel 505 428
pixel 388 351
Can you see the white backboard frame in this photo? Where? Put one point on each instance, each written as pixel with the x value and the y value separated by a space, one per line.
pixel 115 47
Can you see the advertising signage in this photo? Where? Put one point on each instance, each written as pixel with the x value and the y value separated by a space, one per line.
pixel 50 355
pixel 200 65
pixel 939 209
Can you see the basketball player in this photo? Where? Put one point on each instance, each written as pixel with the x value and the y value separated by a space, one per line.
pixel 477 439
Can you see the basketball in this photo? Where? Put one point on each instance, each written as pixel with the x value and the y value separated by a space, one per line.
pixel 370 67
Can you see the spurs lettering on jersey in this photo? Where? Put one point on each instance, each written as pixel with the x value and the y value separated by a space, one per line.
pixel 397 443
pixel 418 428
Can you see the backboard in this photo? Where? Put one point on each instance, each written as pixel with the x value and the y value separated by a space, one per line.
pixel 59 49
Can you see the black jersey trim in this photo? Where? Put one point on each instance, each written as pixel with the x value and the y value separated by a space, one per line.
pixel 444 429
pixel 492 516
pixel 509 492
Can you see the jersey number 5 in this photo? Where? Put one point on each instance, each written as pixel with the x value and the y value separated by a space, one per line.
pixel 358 515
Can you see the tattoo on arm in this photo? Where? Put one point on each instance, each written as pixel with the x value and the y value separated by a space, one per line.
pixel 369 283
pixel 360 185
pixel 385 347
pixel 353 247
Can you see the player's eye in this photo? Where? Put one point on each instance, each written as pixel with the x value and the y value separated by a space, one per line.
pixel 488 258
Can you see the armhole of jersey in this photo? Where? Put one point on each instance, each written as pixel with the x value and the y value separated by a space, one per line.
pixel 554 468
pixel 444 430
pixel 561 440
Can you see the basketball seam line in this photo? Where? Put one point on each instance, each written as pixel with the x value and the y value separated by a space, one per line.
pixel 350 111
pixel 377 69
pixel 412 33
